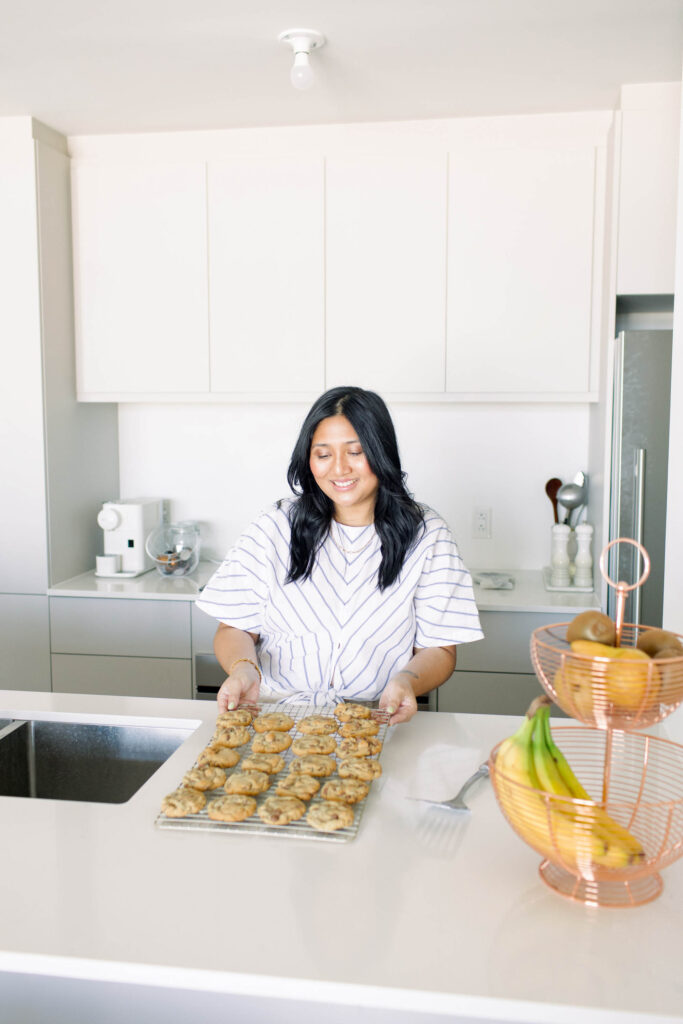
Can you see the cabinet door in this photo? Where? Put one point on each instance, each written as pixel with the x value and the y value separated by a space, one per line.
pixel 100 625
pixel 520 270
pixel 648 183
pixel 125 677
pixel 266 266
pixel 140 284
pixel 24 642
pixel 386 272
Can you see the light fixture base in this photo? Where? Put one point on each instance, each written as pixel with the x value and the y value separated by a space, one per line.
pixel 302 40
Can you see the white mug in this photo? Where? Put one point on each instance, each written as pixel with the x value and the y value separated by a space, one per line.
pixel 107 564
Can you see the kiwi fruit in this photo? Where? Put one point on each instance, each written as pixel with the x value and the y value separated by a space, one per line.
pixel 652 641
pixel 664 653
pixel 592 625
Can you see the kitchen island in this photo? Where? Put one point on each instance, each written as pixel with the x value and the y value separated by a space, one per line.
pixel 423 916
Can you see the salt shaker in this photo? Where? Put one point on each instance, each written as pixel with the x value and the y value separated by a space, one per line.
pixel 559 556
pixel 583 576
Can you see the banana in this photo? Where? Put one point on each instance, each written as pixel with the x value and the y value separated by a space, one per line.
pixel 564 824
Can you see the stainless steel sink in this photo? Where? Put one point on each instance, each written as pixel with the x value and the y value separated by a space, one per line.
pixel 50 760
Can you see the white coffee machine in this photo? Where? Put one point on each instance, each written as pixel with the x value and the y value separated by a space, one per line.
pixel 127 522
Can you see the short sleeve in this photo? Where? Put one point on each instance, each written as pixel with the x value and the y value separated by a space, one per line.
pixel 236 593
pixel 445 609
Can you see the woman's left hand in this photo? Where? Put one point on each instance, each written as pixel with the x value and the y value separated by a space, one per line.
pixel 398 700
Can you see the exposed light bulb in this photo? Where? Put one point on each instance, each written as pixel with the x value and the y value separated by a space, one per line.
pixel 301 74
pixel 302 42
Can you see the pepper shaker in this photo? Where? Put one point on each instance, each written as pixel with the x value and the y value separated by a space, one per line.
pixel 583 576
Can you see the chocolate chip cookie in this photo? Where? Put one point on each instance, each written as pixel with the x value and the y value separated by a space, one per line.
pixel 235 807
pixel 318 725
pixel 247 783
pixel 313 745
pixel 280 810
pixel 328 816
pixel 182 802
pixel 272 742
pixel 349 712
pixel 346 791
pixel 273 721
pixel 317 765
pixel 364 768
pixel 209 777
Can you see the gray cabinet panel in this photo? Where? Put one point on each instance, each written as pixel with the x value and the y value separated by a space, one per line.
pixel 153 629
pixel 489 693
pixel 24 646
pixel 203 631
pixel 138 677
pixel 506 643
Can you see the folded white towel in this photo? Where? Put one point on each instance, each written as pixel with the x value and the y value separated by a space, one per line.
pixel 438 773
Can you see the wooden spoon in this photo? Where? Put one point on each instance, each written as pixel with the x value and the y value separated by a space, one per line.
pixel 551 488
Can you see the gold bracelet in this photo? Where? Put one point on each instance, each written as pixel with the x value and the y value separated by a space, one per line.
pixel 249 662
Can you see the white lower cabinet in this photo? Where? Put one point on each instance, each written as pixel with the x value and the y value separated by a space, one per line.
pixel 122 675
pixel 495 676
pixel 122 647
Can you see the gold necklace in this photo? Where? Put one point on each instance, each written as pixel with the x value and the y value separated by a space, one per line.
pixel 349 551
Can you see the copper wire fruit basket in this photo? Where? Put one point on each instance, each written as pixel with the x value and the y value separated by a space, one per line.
pixel 608 692
pixel 636 780
pixel 616 692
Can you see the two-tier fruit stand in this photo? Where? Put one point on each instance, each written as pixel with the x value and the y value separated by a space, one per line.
pixel 635 776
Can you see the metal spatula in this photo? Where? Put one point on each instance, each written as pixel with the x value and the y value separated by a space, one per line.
pixel 457 802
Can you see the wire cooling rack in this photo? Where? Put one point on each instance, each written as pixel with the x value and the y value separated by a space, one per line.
pixel 201 822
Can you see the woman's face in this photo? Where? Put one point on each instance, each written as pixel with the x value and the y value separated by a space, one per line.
pixel 341 471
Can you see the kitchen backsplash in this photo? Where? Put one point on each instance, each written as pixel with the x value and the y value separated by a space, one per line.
pixel 222 464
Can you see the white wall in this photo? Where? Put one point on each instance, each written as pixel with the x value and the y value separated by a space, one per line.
pixel 673 567
pixel 221 464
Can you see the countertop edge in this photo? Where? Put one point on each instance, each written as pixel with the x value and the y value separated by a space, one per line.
pixel 326 993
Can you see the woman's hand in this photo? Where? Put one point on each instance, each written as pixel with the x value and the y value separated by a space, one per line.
pixel 398 699
pixel 241 687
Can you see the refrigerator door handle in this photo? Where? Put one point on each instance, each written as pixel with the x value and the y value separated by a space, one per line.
pixel 638 522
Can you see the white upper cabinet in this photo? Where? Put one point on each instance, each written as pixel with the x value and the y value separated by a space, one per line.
pixel 266 274
pixel 140 278
pixel 386 271
pixel 521 269
pixel 648 183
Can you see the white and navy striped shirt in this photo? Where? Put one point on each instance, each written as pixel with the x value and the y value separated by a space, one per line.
pixel 336 634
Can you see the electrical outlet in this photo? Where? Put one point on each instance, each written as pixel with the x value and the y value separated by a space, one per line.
pixel 481 523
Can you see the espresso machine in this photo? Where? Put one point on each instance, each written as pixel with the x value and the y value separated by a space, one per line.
pixel 126 523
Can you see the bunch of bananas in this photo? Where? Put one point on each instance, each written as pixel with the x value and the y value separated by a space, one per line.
pixel 547 805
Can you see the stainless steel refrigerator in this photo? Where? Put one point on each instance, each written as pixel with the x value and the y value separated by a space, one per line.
pixel 640 451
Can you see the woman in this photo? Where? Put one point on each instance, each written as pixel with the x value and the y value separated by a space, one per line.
pixel 350 590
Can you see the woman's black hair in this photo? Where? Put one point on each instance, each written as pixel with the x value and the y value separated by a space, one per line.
pixel 398 518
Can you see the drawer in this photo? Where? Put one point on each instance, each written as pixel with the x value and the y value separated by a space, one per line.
pixel 203 631
pixel 506 643
pixel 126 677
pixel 100 625
pixel 490 693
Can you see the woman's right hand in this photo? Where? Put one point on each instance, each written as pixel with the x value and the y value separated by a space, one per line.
pixel 241 687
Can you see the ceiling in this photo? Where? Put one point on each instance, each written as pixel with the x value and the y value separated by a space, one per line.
pixel 88 67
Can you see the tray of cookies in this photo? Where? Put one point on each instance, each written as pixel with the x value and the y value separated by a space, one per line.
pixel 286 772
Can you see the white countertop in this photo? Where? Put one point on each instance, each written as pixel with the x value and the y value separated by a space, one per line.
pixel 423 913
pixel 528 594
pixel 151 586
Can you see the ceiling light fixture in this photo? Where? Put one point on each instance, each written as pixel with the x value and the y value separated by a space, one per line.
pixel 302 41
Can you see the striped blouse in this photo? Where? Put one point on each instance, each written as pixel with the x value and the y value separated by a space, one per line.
pixel 336 635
